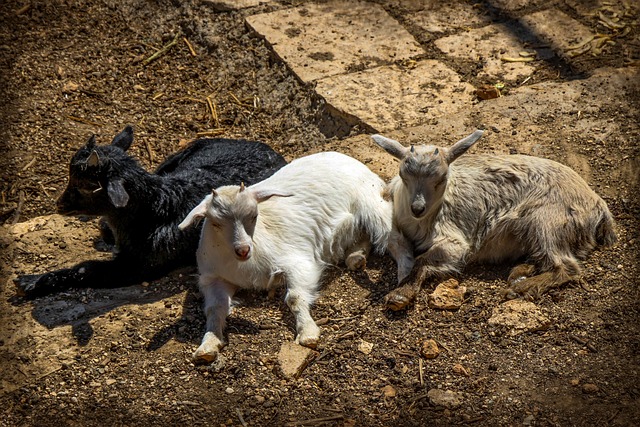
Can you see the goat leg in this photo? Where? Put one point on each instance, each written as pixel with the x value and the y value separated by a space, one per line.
pixel 404 295
pixel 94 274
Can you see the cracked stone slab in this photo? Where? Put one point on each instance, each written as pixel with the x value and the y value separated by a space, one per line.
pixel 489 45
pixel 226 5
pixel 557 28
pixel 391 97
pixel 436 16
pixel 321 40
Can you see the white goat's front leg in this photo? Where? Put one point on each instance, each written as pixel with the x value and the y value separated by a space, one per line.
pixel 301 293
pixel 444 258
pixel 401 250
pixel 217 300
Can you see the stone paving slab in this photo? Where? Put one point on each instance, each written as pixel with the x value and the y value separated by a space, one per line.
pixel 556 28
pixel 489 45
pixel 225 5
pixel 438 16
pixel 391 97
pixel 519 123
pixel 321 40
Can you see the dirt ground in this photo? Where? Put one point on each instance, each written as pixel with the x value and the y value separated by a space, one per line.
pixel 122 356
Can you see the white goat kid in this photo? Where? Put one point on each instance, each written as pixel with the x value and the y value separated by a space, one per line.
pixel 318 210
pixel 489 208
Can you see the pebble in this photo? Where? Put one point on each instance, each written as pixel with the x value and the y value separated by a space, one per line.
pixel 460 370
pixel 590 388
pixel 110 381
pixel 448 295
pixel 229 390
pixel 259 399
pixel 389 391
pixel 430 349
pixel 519 316
pixel 294 358
pixel 447 398
pixel 365 347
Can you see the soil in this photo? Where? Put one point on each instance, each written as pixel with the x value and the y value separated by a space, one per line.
pixel 122 357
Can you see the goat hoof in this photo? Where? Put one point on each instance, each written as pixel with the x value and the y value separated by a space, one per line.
pixel 308 342
pixel 356 261
pixel 202 356
pixel 397 301
pixel 309 338
pixel 26 284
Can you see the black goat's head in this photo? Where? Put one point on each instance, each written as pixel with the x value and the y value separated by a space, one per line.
pixel 96 177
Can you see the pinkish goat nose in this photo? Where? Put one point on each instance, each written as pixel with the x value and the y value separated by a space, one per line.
pixel 242 251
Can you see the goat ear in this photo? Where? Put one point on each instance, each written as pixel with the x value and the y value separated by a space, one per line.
pixel 391 146
pixel 266 194
pixel 460 147
pixel 117 194
pixel 91 142
pixel 124 138
pixel 196 214
pixel 93 160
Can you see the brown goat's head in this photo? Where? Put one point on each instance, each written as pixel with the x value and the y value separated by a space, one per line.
pixel 424 169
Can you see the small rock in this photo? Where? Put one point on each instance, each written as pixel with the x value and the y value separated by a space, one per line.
pixel 447 398
pixel 259 399
pixel 519 316
pixel 448 295
pixel 229 390
pixel 528 420
pixel 430 349
pixel 590 388
pixel 365 347
pixel 70 87
pixel 110 381
pixel 389 391
pixel 575 382
pixel 293 358
pixel 460 370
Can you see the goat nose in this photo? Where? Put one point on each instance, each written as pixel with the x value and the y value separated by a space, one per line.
pixel 417 210
pixel 242 251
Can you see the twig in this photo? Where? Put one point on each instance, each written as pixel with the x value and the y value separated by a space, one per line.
pixel 19 208
pixel 28 165
pixel 244 423
pixel 149 152
pixel 315 421
pixel 421 366
pixel 164 49
pixel 191 49
pixel 211 132
pixel 85 121
pixel 214 111
pixel 23 9
pixel 44 190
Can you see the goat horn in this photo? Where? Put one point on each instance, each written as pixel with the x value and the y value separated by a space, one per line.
pixel 435 152
pixel 413 150
pixel 213 192
pixel 242 186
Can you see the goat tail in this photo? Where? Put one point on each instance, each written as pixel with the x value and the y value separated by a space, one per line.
pixel 605 232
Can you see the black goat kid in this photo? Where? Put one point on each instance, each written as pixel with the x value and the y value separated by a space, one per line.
pixel 143 210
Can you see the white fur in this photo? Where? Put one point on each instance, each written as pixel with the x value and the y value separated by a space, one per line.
pixel 318 210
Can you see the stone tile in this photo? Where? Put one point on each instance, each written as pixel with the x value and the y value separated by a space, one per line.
pixel 321 40
pixel 557 28
pixel 510 5
pixel 391 97
pixel 437 16
pixel 489 45
pixel 224 5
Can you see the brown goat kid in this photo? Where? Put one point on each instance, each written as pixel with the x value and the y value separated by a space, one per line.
pixel 489 208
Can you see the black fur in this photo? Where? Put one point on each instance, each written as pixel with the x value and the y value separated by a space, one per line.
pixel 143 210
